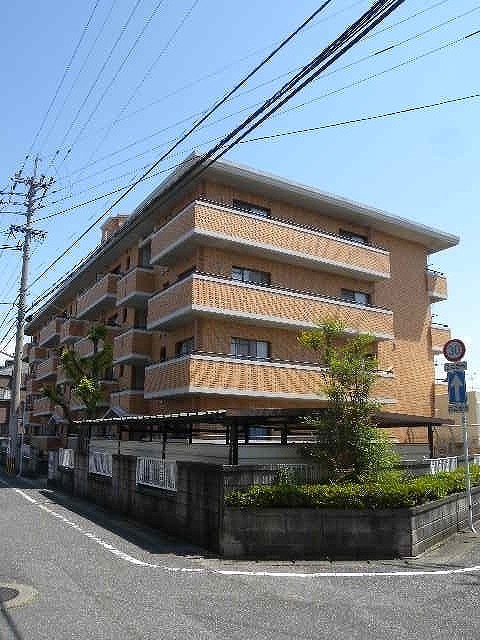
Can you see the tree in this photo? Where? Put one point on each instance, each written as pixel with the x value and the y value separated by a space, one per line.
pixel 348 443
pixel 84 374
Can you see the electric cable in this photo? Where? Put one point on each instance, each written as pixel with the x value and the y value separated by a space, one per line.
pixel 332 92
pixel 246 108
pixel 343 43
pixel 79 73
pixel 64 75
pixel 145 77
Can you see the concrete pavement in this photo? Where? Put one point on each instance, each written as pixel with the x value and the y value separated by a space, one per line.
pixel 101 576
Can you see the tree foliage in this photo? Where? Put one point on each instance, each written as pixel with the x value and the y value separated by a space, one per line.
pixel 84 376
pixel 348 443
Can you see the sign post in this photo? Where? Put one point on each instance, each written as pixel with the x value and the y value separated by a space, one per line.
pixel 454 350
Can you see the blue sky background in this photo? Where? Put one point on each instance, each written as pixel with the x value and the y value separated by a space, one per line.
pixel 422 166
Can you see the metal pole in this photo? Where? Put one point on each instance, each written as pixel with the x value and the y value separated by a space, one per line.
pixel 467 473
pixel 22 293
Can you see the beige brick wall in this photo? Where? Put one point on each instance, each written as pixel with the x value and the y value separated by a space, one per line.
pixel 410 353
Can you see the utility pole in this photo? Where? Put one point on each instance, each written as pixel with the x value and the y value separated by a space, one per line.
pixel 34 185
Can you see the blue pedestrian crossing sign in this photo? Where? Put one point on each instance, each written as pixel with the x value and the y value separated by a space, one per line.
pixel 457 391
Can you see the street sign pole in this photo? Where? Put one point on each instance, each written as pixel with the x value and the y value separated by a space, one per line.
pixel 468 483
pixel 454 350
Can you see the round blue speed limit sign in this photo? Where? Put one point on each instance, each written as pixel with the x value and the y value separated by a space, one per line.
pixel 454 350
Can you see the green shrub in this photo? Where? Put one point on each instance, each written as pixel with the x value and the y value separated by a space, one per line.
pixel 391 491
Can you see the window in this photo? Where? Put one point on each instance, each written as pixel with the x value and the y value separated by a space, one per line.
pixel 358 297
pixel 354 237
pixel 127 263
pixel 184 347
pixel 145 254
pixel 124 315
pixel 258 349
pixel 121 371
pixel 140 320
pixel 163 354
pixel 250 275
pixel 252 208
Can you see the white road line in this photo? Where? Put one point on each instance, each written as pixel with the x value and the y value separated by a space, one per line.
pixel 234 572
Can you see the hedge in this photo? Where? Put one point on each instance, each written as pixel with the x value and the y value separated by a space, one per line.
pixel 392 492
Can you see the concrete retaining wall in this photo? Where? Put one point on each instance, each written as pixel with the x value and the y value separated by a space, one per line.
pixel 196 512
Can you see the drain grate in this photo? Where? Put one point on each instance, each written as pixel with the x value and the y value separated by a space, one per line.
pixel 6 594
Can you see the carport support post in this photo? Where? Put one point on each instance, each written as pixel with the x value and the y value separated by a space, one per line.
pixel 233 450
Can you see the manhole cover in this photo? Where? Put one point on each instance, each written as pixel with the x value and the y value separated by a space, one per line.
pixel 6 594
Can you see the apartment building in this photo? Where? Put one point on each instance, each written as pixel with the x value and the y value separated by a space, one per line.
pixel 204 296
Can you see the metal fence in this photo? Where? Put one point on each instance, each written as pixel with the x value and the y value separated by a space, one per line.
pixel 155 472
pixel 66 458
pixel 443 464
pixel 100 462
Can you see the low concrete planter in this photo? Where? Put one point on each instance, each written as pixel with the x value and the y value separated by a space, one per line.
pixel 340 533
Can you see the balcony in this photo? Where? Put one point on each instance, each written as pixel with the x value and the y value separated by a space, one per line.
pixel 100 296
pixel 132 347
pixel 50 334
pixel 47 369
pixel 107 387
pixel 440 335
pixel 222 226
pixel 224 375
pixel 36 353
pixel 261 305
pixel 43 407
pixel 33 386
pixel 131 401
pixel 436 285
pixel 84 347
pixel 136 287
pixel 73 330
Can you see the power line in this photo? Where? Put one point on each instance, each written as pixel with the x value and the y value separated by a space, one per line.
pixel 147 74
pixel 377 116
pixel 64 75
pixel 79 73
pixel 325 95
pixel 249 55
pixel 245 79
pixel 242 93
pixel 343 43
pixel 115 75
pixel 97 78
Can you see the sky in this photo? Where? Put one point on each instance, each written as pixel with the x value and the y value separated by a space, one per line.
pixel 99 88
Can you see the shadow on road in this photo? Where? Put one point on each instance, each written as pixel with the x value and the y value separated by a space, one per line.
pixel 4 615
pixel 152 540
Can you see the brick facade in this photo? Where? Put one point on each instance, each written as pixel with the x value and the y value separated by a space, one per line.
pixel 174 283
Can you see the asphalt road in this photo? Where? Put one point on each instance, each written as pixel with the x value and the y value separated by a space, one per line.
pixel 101 577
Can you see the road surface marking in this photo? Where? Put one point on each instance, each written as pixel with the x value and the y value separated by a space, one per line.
pixel 237 572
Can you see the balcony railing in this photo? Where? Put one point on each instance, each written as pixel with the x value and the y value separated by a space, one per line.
pixel 73 330
pixel 132 347
pixel 33 386
pixel 270 306
pixel 84 347
pixel 47 369
pixel 440 335
pixel 50 334
pixel 436 285
pixel 226 375
pixel 100 296
pixel 36 353
pixel 136 287
pixel 216 225
pixel 131 400
pixel 43 406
